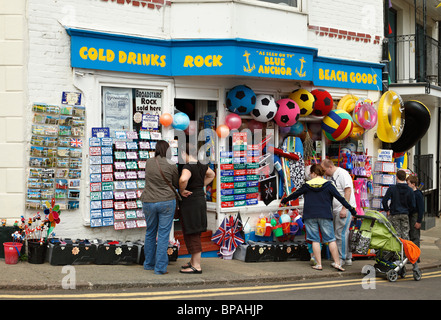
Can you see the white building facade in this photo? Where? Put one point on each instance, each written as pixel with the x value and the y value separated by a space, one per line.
pixel 96 46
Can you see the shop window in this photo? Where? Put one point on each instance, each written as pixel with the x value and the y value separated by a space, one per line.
pixel 291 3
pixel 123 108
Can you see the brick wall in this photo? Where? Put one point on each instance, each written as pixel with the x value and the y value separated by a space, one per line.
pixel 346 29
pixel 150 4
pixel 49 74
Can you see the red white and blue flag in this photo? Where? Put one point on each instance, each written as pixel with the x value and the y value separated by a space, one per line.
pixel 76 143
pixel 219 236
pixel 233 237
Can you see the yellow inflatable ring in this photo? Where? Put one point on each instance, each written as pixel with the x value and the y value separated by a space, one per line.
pixel 347 103
pixel 390 117
pixel 357 132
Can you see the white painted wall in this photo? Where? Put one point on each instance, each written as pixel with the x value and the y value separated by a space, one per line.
pixel 42 72
pixel 365 17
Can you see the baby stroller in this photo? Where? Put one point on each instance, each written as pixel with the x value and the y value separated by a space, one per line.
pixel 376 232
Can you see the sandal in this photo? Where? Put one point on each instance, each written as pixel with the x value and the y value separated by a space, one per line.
pixel 193 270
pixel 337 267
pixel 186 266
pixel 317 267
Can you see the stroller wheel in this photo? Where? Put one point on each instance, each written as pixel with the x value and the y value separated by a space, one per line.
pixel 392 275
pixel 403 272
pixel 417 275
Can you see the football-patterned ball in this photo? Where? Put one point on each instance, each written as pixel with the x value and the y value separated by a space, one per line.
pixel 265 109
pixel 305 100
pixel 241 100
pixel 323 102
pixel 337 125
pixel 288 113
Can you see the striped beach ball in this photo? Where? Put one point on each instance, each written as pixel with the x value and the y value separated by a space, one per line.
pixel 337 125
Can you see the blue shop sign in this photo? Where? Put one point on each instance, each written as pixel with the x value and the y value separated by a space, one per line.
pixel 226 57
pixel 92 50
pixel 343 74
pixel 239 58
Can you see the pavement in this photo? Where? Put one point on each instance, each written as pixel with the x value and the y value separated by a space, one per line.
pixel 25 276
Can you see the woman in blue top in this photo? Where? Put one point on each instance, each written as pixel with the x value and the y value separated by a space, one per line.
pixel 317 213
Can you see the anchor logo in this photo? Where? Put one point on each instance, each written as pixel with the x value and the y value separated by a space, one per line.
pixel 249 69
pixel 300 73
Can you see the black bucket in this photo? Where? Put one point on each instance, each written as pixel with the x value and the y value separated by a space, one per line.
pixel 36 251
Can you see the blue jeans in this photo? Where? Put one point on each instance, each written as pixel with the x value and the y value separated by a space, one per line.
pixel 159 218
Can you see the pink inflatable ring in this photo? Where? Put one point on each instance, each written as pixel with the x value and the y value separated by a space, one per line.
pixel 365 114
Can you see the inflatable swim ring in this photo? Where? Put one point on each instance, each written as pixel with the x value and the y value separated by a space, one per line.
pixel 417 123
pixel 357 132
pixel 390 117
pixel 365 114
pixel 347 103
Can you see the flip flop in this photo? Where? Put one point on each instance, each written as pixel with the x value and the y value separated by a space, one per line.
pixel 186 266
pixel 193 270
pixel 317 267
pixel 337 267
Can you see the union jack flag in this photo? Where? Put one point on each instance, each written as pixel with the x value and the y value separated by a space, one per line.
pixel 76 143
pixel 219 236
pixel 233 237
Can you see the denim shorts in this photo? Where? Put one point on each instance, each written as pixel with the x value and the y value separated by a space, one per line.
pixel 325 226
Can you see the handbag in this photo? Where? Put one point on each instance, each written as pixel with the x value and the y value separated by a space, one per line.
pixel 178 197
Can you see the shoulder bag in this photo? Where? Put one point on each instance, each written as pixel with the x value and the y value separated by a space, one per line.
pixel 178 197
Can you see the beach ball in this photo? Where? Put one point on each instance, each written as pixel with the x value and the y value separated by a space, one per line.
pixel 222 131
pixel 337 125
pixel 166 119
pixel 181 121
pixel 323 102
pixel 233 121
pixel 265 109
pixel 241 100
pixel 255 125
pixel 305 100
pixel 287 114
pixel 297 128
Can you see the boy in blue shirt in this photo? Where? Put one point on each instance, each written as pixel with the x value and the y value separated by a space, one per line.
pixel 402 203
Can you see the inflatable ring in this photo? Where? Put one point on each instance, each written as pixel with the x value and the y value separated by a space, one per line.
pixel 347 103
pixel 357 132
pixel 390 117
pixel 365 114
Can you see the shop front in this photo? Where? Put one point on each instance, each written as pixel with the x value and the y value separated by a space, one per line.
pixel 128 83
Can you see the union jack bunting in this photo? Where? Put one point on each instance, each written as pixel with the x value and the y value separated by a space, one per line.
pixel 76 143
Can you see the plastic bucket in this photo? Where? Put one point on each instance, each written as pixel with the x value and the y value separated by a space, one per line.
pixel 226 254
pixel 12 252
pixel 36 252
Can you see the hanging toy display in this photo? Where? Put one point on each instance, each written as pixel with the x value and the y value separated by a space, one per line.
pixel 241 100
pixel 347 103
pixel 265 109
pixel 365 114
pixel 305 101
pixel 288 113
pixel 390 117
pixel 180 121
pixel 323 102
pixel 337 125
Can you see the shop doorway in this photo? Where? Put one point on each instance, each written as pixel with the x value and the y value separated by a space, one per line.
pixel 203 115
